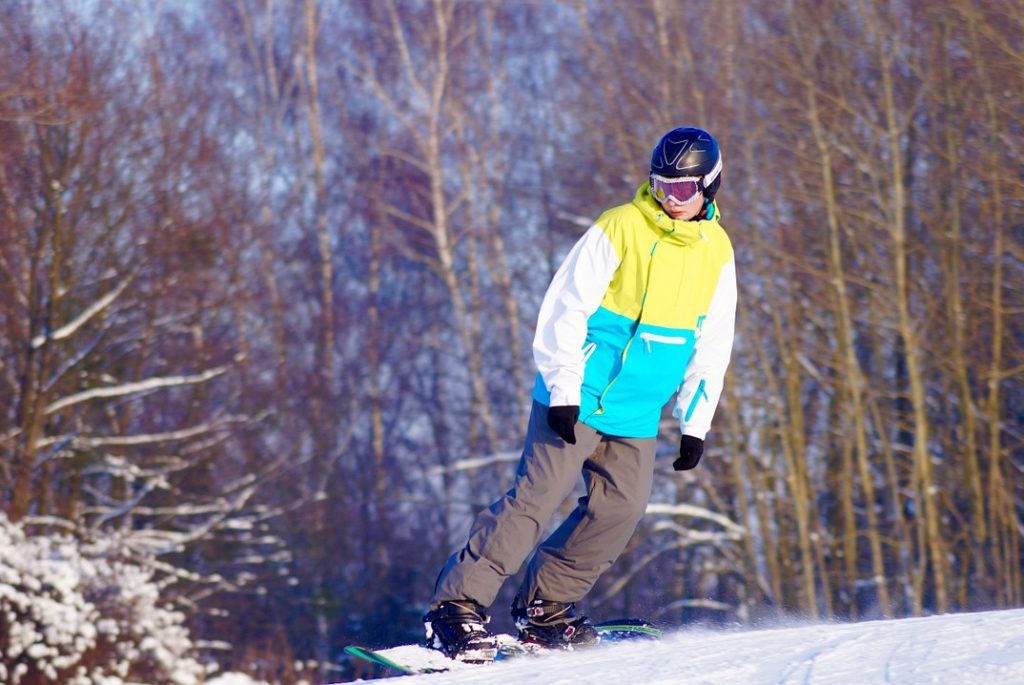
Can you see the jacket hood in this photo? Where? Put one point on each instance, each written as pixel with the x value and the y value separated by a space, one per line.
pixel 684 232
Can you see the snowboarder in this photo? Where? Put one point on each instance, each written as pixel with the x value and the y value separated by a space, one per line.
pixel 643 306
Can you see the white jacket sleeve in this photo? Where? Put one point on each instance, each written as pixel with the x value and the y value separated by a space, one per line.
pixel 574 294
pixel 702 387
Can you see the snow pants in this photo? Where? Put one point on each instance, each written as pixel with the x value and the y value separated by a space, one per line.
pixel 618 474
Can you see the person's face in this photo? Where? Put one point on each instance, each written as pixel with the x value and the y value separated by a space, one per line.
pixel 684 211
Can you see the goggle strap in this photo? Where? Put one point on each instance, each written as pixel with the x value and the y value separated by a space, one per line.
pixel 713 174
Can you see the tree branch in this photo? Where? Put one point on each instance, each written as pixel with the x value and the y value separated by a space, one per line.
pixel 133 388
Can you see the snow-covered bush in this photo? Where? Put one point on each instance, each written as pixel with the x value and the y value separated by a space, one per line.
pixel 86 614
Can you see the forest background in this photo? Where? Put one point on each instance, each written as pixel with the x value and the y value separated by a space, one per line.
pixel 269 273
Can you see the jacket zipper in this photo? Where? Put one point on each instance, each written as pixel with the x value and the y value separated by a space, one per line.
pixel 639 319
pixel 648 338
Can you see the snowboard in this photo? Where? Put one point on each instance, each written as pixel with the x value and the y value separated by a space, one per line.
pixel 415 659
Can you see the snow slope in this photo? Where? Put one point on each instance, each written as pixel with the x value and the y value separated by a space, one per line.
pixel 965 649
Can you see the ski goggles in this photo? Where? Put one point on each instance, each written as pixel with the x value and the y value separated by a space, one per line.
pixel 679 190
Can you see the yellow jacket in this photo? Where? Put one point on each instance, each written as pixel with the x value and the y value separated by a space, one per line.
pixel 642 306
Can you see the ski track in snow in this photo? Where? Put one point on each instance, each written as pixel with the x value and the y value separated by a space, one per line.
pixel 960 649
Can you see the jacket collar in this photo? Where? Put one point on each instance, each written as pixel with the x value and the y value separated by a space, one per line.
pixel 683 232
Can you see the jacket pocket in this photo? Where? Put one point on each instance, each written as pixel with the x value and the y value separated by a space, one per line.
pixel 658 366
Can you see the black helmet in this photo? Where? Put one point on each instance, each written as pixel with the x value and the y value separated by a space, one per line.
pixel 689 152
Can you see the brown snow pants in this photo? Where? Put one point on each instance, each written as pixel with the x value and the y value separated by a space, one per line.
pixel 618 474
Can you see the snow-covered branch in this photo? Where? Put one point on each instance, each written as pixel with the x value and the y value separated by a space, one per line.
pixel 150 438
pixel 92 310
pixel 475 463
pixel 689 536
pixel 704 603
pixel 136 387
pixel 695 512
pixel 161 541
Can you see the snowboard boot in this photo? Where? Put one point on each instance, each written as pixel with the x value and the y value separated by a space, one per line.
pixel 553 625
pixel 456 629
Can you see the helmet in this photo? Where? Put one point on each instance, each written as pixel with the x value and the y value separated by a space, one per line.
pixel 689 152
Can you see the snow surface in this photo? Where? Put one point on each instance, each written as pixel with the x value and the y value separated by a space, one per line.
pixel 965 649
pixel 235 679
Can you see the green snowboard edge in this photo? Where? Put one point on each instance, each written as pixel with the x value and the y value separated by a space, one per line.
pixel 373 657
pixel 630 628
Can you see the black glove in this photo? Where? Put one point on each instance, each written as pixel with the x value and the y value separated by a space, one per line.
pixel 563 421
pixel 690 451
